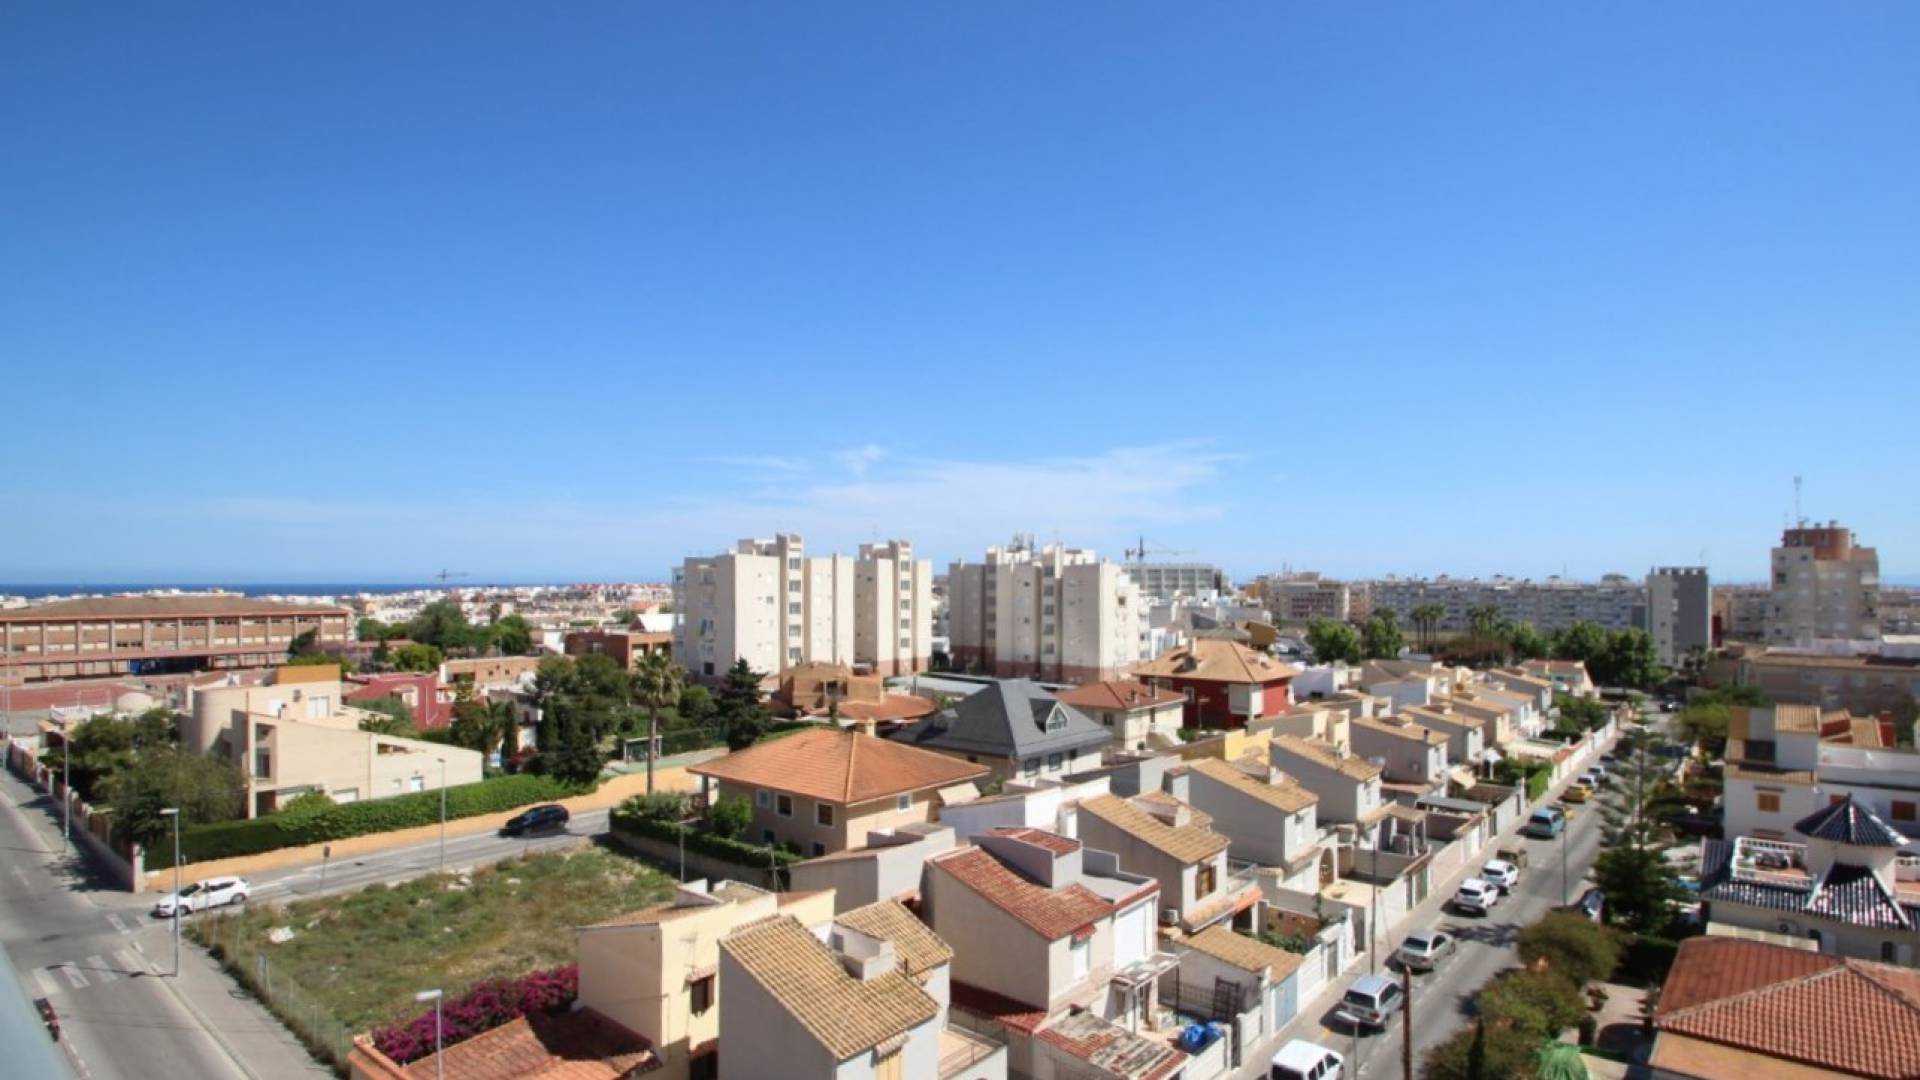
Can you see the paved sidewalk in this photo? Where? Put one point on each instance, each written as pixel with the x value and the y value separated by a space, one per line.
pixel 1307 1024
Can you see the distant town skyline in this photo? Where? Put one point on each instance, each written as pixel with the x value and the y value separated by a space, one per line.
pixel 1392 288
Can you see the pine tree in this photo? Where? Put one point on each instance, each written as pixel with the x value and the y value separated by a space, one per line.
pixel 1632 866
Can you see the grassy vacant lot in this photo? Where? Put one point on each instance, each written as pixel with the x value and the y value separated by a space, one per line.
pixel 361 956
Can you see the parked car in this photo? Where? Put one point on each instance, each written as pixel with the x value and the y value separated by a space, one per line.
pixel 1370 1002
pixel 1500 874
pixel 549 818
pixel 1601 777
pixel 1302 1060
pixel 1546 823
pixel 1590 905
pixel 1424 949
pixel 1517 855
pixel 201 895
pixel 1475 896
pixel 1576 793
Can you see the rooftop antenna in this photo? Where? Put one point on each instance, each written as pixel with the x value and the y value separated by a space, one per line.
pixel 1799 519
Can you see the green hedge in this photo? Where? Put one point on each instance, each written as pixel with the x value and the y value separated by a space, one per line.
pixel 706 843
pixel 1537 784
pixel 275 831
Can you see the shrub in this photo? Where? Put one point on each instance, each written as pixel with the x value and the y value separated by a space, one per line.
pixel 338 822
pixel 1571 946
pixel 1540 1004
pixel 483 1008
pixel 730 817
pixel 305 805
pixel 659 806
pixel 706 843
pixel 1502 1052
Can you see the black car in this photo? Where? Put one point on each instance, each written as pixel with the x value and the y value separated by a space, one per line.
pixel 1589 906
pixel 550 818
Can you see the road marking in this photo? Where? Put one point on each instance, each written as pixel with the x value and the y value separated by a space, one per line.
pixel 132 962
pixel 73 976
pixel 118 924
pixel 25 882
pixel 48 988
pixel 101 970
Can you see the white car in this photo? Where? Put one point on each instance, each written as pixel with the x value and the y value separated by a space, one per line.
pixel 1500 874
pixel 201 895
pixel 1476 896
pixel 1302 1060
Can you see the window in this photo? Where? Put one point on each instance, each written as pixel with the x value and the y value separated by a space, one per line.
pixel 1767 801
pixel 1205 880
pixel 819 848
pixel 1903 811
pixel 906 605
pixel 823 814
pixel 1053 761
pixel 793 564
pixel 1887 953
pixel 700 994
pixel 904 803
pixel 906 624
pixel 783 805
pixel 793 586
pixel 1082 953
pixel 762 798
pixel 793 609
pixel 1032 766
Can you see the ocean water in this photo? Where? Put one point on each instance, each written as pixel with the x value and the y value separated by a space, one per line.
pixel 32 592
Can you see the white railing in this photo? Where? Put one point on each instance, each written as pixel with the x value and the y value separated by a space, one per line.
pixel 1752 854
pixel 1907 868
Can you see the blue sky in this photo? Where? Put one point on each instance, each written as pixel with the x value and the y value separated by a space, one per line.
pixel 358 291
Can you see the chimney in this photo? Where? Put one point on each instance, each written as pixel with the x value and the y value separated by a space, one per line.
pixel 864 956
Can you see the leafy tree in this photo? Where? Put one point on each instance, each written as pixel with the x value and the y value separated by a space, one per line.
pixel 158 726
pixel 1381 639
pixel 368 629
pixel 1484 1052
pixel 696 705
pixel 391 716
pixel 511 635
pixel 415 656
pixel 1331 641
pixel 1629 659
pixel 1704 724
pixel 730 817
pixel 1538 1004
pixel 1571 947
pixel 742 715
pixel 302 643
pixel 479 724
pixel 206 789
pixel 1583 641
pixel 1579 715
pixel 1632 866
pixel 578 701
pixel 601 676
pixel 1527 643
pixel 656 684
pixel 443 624
pixel 96 748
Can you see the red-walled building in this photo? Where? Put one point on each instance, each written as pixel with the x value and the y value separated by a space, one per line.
pixel 431 703
pixel 1225 683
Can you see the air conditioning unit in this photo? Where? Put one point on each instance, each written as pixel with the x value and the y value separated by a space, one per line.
pixel 1169 916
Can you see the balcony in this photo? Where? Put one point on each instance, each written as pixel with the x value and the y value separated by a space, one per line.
pixel 963 1052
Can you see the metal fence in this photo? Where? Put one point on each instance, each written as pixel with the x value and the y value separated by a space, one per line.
pixel 301 1011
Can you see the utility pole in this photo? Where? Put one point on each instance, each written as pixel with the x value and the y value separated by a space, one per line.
pixel 1566 827
pixel 1406 1040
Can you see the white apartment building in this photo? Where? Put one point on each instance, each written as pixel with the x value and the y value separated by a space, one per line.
pixel 1053 613
pixel 1823 586
pixel 1679 611
pixel 1164 581
pixel 1614 602
pixel 770 603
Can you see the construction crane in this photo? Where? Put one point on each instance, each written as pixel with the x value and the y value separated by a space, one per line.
pixel 445 575
pixel 1140 552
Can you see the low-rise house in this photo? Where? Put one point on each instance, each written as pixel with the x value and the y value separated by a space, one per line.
pixel 1567 676
pixel 1403 683
pixel 1524 716
pixel 1861 683
pixel 1140 717
pixel 294 735
pixel 1466 735
pixel 655 971
pixel 1408 753
pixel 1498 720
pixel 485 673
pixel 887 867
pixel 1844 885
pixel 1225 684
pixel 1015 728
pixel 626 647
pixel 1054 946
pixel 797 1008
pixel 1266 817
pixel 1232 978
pixel 430 703
pixel 1348 786
pixel 1050 805
pixel 1784 762
pixel 825 790
pixel 1735 1010
pixel 1159 836
pixel 1539 690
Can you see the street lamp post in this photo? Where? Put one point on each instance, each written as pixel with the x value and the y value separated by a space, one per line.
pixel 443 814
pixel 439 1059
pixel 174 813
pixel 1565 894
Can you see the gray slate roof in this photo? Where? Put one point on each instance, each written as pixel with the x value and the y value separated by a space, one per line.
pixel 1848 822
pixel 1008 720
pixel 1850 894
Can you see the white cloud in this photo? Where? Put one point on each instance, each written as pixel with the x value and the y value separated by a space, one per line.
pixel 861 458
pixel 764 463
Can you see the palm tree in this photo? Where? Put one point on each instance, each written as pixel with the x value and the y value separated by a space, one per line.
pixel 656 684
pixel 1484 620
pixel 1427 617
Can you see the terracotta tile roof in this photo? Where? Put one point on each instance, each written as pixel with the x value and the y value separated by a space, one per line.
pixel 891 707
pixel 918 948
pixel 581 1045
pixel 1402 728
pixel 1196 817
pixel 1215 660
pixel 1054 842
pixel 1288 796
pixel 1111 1049
pixel 1327 755
pixel 1185 843
pixel 1231 947
pixel 1051 913
pixel 1866 731
pixel 838 767
pixel 1829 1012
pixel 999 1008
pixel 1118 694
pixel 1798 719
pixel 847 1015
